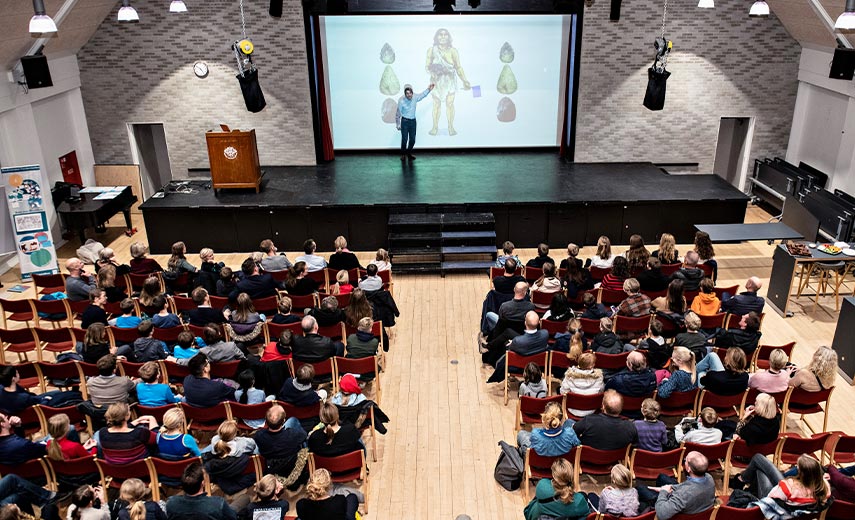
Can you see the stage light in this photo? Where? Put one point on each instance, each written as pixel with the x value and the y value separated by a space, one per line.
pixel 337 7
pixel 759 8
pixel 474 3
pixel 444 6
pixel 128 13
pixel 177 6
pixel 41 22
pixel 846 21
pixel 706 4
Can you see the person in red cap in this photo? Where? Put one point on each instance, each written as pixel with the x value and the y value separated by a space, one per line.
pixel 349 393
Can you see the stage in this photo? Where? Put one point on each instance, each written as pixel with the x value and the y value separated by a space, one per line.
pixel 535 196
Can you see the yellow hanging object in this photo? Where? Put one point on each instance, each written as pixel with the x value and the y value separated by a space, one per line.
pixel 246 47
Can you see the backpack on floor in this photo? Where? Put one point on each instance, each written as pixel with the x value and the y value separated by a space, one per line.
pixel 509 467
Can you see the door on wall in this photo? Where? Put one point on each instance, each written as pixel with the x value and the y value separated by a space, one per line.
pixel 149 151
pixel 733 148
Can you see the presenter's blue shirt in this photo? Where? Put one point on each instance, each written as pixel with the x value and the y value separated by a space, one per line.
pixel 407 107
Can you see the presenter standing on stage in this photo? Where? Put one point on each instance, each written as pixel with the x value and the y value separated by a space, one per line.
pixel 405 119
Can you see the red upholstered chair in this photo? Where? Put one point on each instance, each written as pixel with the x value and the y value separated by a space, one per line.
pixel 737 513
pixel 611 297
pixel 703 515
pixel 19 341
pixel 518 362
pixel 841 449
pixel 529 409
pixel 155 411
pixel 30 420
pixel 542 299
pixel 174 372
pixel 301 412
pixel 75 417
pixel 611 361
pixel 669 269
pixel 205 419
pixel 558 365
pixel 366 367
pixel 589 327
pixel 647 465
pixel 273 330
pixel 71 473
pixel 582 402
pixel 655 294
pixel 170 469
pixel 597 273
pixel 793 445
pixel 324 371
pixel 78 308
pixel 780 398
pixel 553 328
pixel 345 468
pixel 631 326
pixel 741 453
pixel 138 280
pixel 690 297
pixel 804 403
pixel 716 454
pixel 53 373
pixel 225 369
pixel 342 299
pixel 320 277
pixel 762 353
pixel 58 310
pixel 248 412
pixel 651 515
pixel 30 376
pixel 598 462
pixel 29 470
pixel 732 290
pixel 15 310
pixel 539 466
pixel 169 335
pixel 532 274
pixel 840 510
pixel 724 405
pixel 334 332
pixel 119 336
pixel 181 304
pixel 716 321
pixel 55 341
pixel 129 368
pixel 300 303
pixel 268 305
pixel 112 475
pixel 679 404
pixel 632 405
pixel 49 283
pixel 218 302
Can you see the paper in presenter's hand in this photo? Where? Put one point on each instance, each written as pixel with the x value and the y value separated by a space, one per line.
pixel 476 90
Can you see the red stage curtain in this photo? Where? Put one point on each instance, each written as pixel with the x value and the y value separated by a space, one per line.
pixel 327 153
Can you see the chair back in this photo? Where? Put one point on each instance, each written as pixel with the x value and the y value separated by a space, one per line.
pixel 589 327
pixel 656 294
pixel 529 409
pixel 73 467
pixel 679 404
pixel 359 366
pixel 218 302
pixel 299 303
pixel 558 364
pixel 540 466
pixel 19 341
pixel 707 269
pixel 344 468
pixel 55 340
pixel 805 403
pixel 611 296
pixel 582 402
pixel 519 362
pixel 650 515
pixel 669 269
pixel 611 361
pixel 842 450
pixel 597 273
pixel 17 310
pixel 716 321
pixel 599 462
pixel 724 405
pixel 554 327
pixel 335 331
pixel 793 445
pixel 632 404
pixel 174 372
pixel 169 469
pixel 274 330
pixel 741 452
pixel 738 513
pixel 324 371
pixel 138 280
pixel 542 300
pixel 703 515
pixel 205 419
pixel 182 303
pixel 840 510
pixel 670 328
pixel 716 454
pixel 532 274
pixel 762 353
pixel 119 336
pixel 155 411
pixel 301 412
pixel 733 290
pixel 780 397
pixel 49 283
pixel 690 297
pixel 647 465
pixel 59 311
pixel 268 305
pixel 633 326
pixel 168 335
pixel 54 373
pixel 225 369
pixel 248 412
pixel 29 470
pixel 118 473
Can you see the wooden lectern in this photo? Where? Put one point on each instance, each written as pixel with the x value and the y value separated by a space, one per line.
pixel 234 159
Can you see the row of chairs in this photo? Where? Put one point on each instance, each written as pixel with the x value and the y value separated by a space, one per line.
pixel 614 297
pixel 597 273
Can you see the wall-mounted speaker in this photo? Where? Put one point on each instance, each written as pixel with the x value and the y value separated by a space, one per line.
pixel 614 12
pixel 276 8
pixel 36 71
pixel 843 64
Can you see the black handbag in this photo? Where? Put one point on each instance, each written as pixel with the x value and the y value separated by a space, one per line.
pixel 654 98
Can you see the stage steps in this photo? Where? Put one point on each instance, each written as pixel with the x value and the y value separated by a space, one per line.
pixel 443 242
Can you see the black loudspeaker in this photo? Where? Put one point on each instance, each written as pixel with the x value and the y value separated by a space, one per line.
pixel 252 94
pixel 654 97
pixel 843 64
pixel 36 71
pixel 614 13
pixel 276 8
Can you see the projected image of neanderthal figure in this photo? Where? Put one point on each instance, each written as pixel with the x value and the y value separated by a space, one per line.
pixel 443 64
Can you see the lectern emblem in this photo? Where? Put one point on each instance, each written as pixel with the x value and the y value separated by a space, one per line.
pixel 230 153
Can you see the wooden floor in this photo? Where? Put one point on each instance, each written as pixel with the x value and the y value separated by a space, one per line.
pixel 437 460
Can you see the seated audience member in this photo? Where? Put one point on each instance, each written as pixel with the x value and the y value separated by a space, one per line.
pixel 533 384
pixel 745 302
pixel 695 494
pixel 14 447
pixel 706 303
pixel 583 378
pixel 107 282
pixel 313 262
pixel 681 377
pixel 613 280
pixel 349 393
pixel 541 258
pixel 328 313
pixel 298 284
pixel 209 271
pixel 674 301
pixel 637 380
pixel 283 315
pixel 151 289
pixel 371 281
pixel 603 258
pixel 140 506
pixel 164 319
pixel 557 436
pixel 279 349
pixel 652 434
pixel 607 342
pixel 107 258
pixel 746 337
pixel 18 496
pixel 108 387
pixel 124 441
pixel 572 254
pixel 532 341
pixel 727 379
pixel 199 389
pixel 382 260
pixel 362 343
pixel 15 399
pixel 271 261
pixel 227 282
pixel 667 252
pixel 658 351
pixel 781 497
pixel 227 442
pixel 140 264
pixel 321 504
pixel 77 283
pixel 248 394
pixel 507 253
pixel 559 309
pixel 280 443
pixel 254 284
pixel 607 430
pixel 128 318
pixel 178 260
pixel 620 498
pixel 203 314
pixel 95 313
pixel 245 324
pixel 760 422
pixel 820 372
pixel 700 430
pixel 635 304
pixel 195 502
pixel 549 283
pixel 147 348
pixel 217 350
pixel 298 390
pixel 88 503
pixel 172 442
pixel 690 273
pixel 150 391
pixel 774 379
pixel 342 283
pixel 556 497
pixel 637 255
pixel 577 279
pixel 359 307
pixel 512 311
pixel 185 348
pixel 60 446
pixel 95 344
pixel 592 309
pixel 842 485
pixel 706 252
pixel 692 339
pixel 334 438
pixel 343 258
pixel 505 283
pixel 312 347
pixel 652 279
pixel 266 503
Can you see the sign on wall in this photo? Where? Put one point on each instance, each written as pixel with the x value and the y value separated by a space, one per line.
pixel 27 200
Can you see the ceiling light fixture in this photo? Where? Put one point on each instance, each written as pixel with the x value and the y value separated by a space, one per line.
pixel 177 6
pixel 41 22
pixel 846 21
pixel 706 4
pixel 444 6
pixel 128 13
pixel 759 8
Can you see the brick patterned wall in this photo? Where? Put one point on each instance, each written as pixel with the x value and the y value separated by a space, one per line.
pixel 127 76
pixel 724 63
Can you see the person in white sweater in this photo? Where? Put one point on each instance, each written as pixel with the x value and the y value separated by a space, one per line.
pixel 583 379
pixel 705 433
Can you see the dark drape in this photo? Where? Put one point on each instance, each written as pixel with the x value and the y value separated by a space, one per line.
pixel 326 143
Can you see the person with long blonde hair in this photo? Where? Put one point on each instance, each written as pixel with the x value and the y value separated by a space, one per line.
pixel 140 506
pixel 820 372
pixel 555 438
pixel 620 498
pixel 320 504
pixel 556 497
pixel 783 497
pixel 172 442
pixel 266 497
pixel 682 377
pixel 760 422
pixel 60 447
pixel 667 252
pixel 604 257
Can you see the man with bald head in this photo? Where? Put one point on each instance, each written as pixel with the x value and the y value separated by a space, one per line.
pixel 532 341
pixel 77 283
pixel 636 380
pixel 694 495
pixel 607 430
pixel 506 324
pixel 745 302
pixel 311 347
pixel 690 273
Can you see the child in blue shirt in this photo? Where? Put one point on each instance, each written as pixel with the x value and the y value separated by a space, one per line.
pixel 163 319
pixel 171 443
pixel 128 320
pixel 151 392
pixel 185 348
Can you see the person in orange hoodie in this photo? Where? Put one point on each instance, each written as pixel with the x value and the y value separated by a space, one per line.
pixel 706 303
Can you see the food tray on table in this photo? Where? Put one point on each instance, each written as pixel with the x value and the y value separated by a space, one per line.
pixel 829 249
pixel 797 248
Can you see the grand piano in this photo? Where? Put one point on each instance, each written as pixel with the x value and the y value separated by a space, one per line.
pixel 90 213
